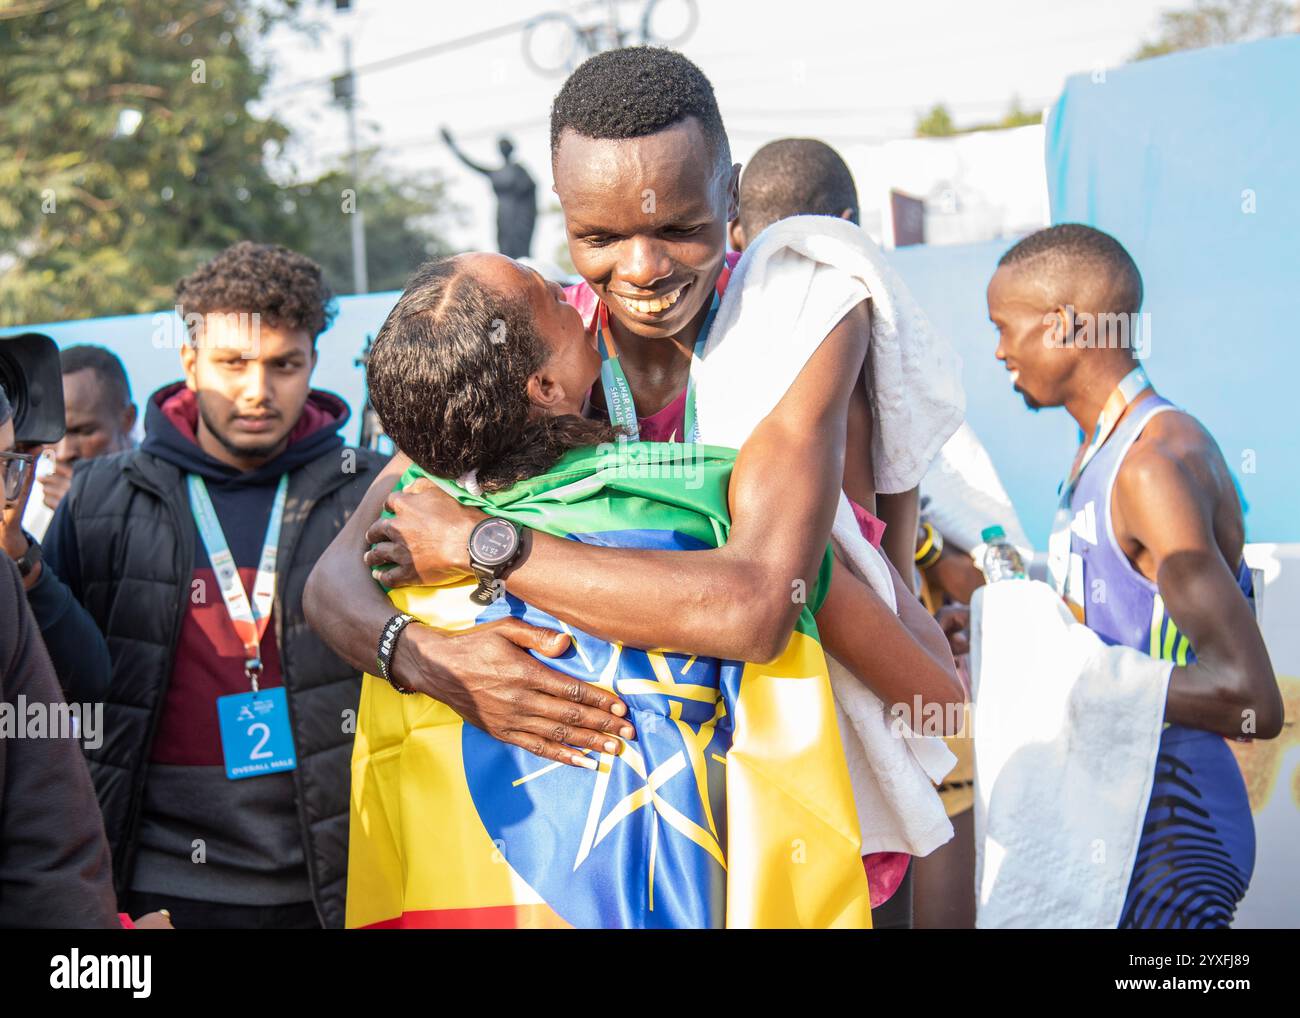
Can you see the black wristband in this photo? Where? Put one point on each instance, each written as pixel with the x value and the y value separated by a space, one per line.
pixel 387 644
pixel 29 559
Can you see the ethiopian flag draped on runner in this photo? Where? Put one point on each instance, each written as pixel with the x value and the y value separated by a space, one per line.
pixel 731 807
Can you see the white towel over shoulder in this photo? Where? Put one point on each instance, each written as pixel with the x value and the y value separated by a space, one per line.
pixel 792 287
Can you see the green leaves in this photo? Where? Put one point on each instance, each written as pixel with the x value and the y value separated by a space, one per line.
pixel 101 212
pixel 1211 23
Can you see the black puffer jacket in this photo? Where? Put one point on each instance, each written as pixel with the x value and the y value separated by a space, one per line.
pixel 129 562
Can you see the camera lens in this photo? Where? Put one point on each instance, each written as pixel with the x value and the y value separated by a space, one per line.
pixel 15 386
pixel 33 381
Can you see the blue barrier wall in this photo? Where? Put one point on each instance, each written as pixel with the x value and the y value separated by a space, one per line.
pixel 1031 449
pixel 1193 162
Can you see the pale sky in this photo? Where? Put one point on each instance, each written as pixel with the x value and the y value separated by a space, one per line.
pixel 841 71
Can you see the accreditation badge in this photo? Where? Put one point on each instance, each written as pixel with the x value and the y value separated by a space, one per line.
pixel 255 734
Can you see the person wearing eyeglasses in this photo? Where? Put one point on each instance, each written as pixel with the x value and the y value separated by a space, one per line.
pixel 18 470
pixel 55 866
pixel 54 859
pixel 76 646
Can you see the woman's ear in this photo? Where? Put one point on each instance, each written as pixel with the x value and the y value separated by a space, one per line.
pixel 544 392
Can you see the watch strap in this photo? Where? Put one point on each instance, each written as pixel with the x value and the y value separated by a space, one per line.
pixel 490 585
pixel 29 559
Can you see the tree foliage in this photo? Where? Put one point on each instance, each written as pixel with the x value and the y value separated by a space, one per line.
pixel 129 154
pixel 1208 23
pixel 403 215
pixel 938 122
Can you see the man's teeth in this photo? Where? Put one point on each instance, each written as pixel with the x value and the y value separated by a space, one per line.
pixel 1015 376
pixel 651 307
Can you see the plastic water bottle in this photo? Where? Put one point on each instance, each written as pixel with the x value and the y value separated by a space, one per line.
pixel 1001 559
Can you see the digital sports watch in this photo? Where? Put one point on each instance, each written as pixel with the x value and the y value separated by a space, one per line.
pixel 494 545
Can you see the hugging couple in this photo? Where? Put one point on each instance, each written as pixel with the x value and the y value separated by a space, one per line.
pixel 674 678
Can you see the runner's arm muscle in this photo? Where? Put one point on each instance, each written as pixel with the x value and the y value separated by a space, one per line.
pixel 1230 688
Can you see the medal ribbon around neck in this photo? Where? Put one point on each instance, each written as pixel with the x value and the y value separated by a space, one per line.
pixel 1129 388
pixel 618 392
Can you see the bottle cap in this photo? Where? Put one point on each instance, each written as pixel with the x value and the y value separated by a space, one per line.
pixel 992 534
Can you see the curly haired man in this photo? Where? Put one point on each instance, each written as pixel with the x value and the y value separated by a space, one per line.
pixel 223 771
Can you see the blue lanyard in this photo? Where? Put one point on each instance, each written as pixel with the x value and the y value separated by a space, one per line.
pixel 618 392
pixel 250 619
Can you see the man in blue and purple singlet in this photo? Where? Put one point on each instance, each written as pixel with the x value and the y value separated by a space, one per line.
pixel 1147 552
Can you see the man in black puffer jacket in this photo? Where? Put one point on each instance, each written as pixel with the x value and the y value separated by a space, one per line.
pixel 240 822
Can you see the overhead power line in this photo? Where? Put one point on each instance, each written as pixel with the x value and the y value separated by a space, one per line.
pixel 397 60
pixel 585 39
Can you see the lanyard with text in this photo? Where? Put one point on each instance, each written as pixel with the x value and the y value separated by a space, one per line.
pixel 618 393
pixel 249 619
pixel 1129 388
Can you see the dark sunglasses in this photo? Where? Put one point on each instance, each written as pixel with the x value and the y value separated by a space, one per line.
pixel 15 467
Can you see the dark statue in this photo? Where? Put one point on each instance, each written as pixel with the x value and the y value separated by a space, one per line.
pixel 516 198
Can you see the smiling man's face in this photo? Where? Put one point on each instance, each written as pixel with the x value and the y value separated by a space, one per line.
pixel 646 220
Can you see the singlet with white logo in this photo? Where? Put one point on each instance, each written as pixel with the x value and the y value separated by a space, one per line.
pixel 1119 604
pixel 1196 853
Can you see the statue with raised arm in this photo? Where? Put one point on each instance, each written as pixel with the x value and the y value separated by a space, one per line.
pixel 516 197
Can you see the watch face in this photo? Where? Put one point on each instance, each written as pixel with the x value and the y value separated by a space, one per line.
pixel 493 543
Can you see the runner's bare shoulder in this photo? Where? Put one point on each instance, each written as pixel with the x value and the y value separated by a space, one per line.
pixel 1175 452
pixel 1178 438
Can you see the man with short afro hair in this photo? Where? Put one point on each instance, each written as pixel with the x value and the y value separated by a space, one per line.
pixel 634 92
pixel 1150 516
pixel 1068 254
pixel 644 178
